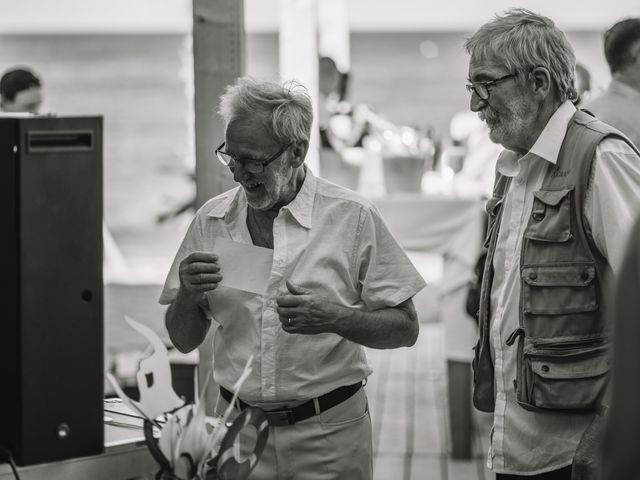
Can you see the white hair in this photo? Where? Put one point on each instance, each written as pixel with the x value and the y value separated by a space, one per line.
pixel 522 40
pixel 285 110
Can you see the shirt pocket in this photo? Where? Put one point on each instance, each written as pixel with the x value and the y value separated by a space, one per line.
pixel 550 216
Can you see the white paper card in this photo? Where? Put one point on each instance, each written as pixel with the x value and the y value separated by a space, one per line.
pixel 243 266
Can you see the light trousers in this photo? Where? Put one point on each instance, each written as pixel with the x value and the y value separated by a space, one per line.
pixel 334 445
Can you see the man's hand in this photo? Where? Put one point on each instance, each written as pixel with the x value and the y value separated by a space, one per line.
pixel 304 312
pixel 185 319
pixel 587 459
pixel 199 273
pixel 307 313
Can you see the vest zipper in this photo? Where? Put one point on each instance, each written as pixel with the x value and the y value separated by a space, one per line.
pixel 555 344
pixel 518 332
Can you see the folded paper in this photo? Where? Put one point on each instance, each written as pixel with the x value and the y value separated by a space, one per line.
pixel 243 266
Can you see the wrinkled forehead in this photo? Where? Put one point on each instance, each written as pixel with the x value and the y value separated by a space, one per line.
pixel 248 135
pixel 243 126
pixel 483 67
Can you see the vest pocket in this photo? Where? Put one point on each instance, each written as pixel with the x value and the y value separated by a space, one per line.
pixel 558 289
pixel 564 376
pixel 550 216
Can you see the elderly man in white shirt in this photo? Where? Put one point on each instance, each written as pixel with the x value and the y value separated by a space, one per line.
pixel 338 281
pixel 565 196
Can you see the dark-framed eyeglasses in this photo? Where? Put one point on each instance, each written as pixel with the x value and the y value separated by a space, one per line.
pixel 252 165
pixel 482 89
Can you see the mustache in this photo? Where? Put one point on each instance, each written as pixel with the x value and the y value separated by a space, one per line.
pixel 487 115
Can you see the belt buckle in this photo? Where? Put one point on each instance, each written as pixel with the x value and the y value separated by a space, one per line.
pixel 279 418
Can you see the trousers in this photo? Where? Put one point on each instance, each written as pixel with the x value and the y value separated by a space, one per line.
pixel 334 445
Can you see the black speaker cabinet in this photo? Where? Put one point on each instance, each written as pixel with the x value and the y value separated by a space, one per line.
pixel 51 298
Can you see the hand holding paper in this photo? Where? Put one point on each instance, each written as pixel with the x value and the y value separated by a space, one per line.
pixel 199 273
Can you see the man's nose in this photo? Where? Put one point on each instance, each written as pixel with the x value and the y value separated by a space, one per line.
pixel 476 103
pixel 239 172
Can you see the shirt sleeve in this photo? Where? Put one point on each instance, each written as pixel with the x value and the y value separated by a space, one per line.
pixel 385 274
pixel 612 200
pixel 192 242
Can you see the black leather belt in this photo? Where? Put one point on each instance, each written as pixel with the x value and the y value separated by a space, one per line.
pixel 289 416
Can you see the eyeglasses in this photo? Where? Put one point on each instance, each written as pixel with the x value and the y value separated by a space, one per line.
pixel 482 89
pixel 250 164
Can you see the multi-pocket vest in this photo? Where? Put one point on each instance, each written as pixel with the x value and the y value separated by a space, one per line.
pixel 563 337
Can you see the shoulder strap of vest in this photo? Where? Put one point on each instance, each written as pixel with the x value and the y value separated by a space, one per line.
pixel 500 185
pixel 584 134
pixel 590 121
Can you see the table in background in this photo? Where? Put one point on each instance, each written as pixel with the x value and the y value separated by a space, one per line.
pixel 129 460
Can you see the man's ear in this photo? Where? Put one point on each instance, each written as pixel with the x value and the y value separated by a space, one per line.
pixel 541 81
pixel 299 152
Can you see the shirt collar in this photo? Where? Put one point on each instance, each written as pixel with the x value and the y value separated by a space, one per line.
pixel 301 206
pixel 227 202
pixel 548 144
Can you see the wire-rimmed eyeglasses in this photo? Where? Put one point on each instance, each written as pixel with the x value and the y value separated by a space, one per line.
pixel 482 89
pixel 250 164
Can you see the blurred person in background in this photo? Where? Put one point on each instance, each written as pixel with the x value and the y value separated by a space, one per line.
pixel 339 281
pixel 619 106
pixel 565 196
pixel 20 91
pixel 583 85
pixel 342 127
pixel 622 440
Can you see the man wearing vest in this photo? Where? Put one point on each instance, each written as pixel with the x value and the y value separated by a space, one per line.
pixel 566 191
